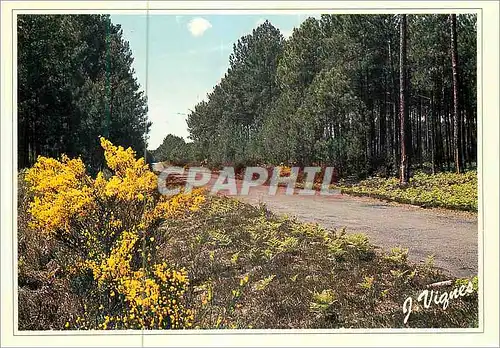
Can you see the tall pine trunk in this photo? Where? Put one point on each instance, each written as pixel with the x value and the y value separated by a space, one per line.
pixel 403 107
pixel 432 116
pixel 457 154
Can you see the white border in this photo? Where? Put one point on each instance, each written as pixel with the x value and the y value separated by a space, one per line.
pixel 487 175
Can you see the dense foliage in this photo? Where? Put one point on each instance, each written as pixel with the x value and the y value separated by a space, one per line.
pixel 447 190
pixel 76 83
pixel 106 231
pixel 253 269
pixel 174 149
pixel 121 257
pixel 329 95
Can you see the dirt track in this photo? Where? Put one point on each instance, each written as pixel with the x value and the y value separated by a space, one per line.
pixel 452 237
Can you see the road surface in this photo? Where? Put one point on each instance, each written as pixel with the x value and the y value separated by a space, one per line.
pixel 452 237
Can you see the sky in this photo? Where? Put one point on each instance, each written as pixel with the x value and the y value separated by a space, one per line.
pixel 188 55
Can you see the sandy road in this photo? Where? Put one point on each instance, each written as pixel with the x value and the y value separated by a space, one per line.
pixel 452 237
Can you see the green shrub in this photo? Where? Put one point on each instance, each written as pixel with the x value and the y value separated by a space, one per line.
pixel 355 245
pixel 446 190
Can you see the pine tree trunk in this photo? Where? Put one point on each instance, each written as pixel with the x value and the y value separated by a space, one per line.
pixel 383 134
pixel 427 134
pixel 457 153
pixel 403 107
pixel 417 148
pixel 432 144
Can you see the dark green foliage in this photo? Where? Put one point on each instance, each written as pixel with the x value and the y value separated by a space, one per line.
pixel 329 95
pixel 228 128
pixel 175 150
pixel 75 82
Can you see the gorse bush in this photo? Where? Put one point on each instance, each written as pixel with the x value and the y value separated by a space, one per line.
pixel 446 190
pixel 110 252
pixel 107 225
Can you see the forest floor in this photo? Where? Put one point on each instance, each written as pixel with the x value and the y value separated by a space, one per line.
pixel 251 268
pixel 265 267
pixel 450 236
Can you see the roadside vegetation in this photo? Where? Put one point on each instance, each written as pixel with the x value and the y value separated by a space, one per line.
pixel 445 190
pixel 110 253
pixel 250 268
pixel 87 247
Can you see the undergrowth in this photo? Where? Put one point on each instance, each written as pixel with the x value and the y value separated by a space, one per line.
pixel 111 253
pixel 446 190
pixel 250 268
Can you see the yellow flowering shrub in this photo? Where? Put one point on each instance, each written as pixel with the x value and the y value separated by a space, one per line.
pixel 108 224
pixel 63 192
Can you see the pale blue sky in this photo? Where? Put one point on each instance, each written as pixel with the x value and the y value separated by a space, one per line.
pixel 188 55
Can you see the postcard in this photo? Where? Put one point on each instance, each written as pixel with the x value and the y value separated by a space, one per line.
pixel 249 174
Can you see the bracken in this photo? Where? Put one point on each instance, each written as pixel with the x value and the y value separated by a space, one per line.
pixel 446 190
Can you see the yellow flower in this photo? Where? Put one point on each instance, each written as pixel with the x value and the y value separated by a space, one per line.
pixel 106 216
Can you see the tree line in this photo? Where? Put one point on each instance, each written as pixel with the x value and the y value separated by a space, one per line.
pixel 364 93
pixel 76 83
pixel 175 150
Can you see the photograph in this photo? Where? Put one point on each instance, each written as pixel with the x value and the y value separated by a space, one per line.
pixel 241 173
pixel 310 171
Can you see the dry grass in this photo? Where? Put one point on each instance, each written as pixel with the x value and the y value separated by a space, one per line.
pixel 249 268
pixel 299 275
pixel 45 298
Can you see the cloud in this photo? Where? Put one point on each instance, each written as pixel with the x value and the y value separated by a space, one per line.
pixel 198 26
